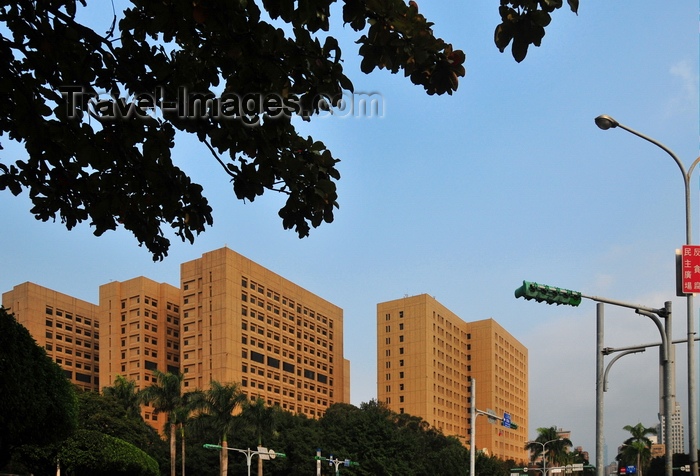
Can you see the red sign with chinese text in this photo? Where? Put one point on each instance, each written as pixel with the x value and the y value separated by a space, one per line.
pixel 690 269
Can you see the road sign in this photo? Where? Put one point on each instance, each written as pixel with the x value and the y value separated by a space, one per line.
pixel 690 269
pixel 491 416
pixel 623 470
pixel 506 420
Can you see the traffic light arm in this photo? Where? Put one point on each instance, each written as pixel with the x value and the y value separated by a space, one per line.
pixel 553 295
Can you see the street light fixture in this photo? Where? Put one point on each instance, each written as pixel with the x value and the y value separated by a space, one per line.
pixel 606 122
pixel 544 452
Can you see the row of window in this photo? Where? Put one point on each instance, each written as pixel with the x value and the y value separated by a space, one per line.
pixel 288 366
pixel 67 315
pixel 69 340
pixel 288 393
pixel 136 300
pixel 273 321
pixel 275 296
pixel 78 365
pixel 285 341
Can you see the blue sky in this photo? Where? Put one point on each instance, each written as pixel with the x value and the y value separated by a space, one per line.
pixel 464 197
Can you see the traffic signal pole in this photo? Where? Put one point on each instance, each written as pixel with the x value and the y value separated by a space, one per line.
pixel 474 412
pixel 553 295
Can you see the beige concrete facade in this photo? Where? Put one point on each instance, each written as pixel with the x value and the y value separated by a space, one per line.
pixel 426 357
pixel 244 323
pixel 66 327
pixel 499 363
pixel 231 320
pixel 140 332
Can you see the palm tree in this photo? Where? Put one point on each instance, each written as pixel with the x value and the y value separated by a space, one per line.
pixel 637 448
pixel 182 415
pixel 262 419
pixel 550 445
pixel 125 392
pixel 218 405
pixel 165 396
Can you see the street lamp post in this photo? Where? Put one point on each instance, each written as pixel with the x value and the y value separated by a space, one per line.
pixel 544 452
pixel 263 453
pixel 605 122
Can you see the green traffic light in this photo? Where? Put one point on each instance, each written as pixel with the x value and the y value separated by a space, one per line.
pixel 549 294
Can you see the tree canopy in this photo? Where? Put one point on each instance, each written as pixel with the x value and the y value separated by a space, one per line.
pixel 93 453
pixel 636 450
pixel 97 112
pixel 39 404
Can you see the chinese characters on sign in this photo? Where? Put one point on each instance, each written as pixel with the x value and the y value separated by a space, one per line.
pixel 690 269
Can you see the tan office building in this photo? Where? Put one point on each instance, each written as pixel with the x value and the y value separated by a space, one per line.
pixel 243 323
pixel 66 327
pixel 426 357
pixel 140 332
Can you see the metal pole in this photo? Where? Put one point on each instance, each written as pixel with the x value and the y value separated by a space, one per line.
pixel 692 399
pixel 599 439
pixel 472 431
pixel 544 459
pixel 606 122
pixel 668 392
pixel 615 359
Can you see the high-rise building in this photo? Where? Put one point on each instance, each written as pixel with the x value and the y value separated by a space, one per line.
pixel 426 358
pixel 140 321
pixel 499 362
pixel 243 323
pixel 677 440
pixel 231 320
pixel 66 327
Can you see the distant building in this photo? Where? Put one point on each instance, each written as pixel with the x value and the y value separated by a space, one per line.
pixel 66 327
pixel 426 358
pixel 677 440
pixel 243 323
pixel 231 320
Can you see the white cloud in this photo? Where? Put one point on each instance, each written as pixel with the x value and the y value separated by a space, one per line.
pixel 686 95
